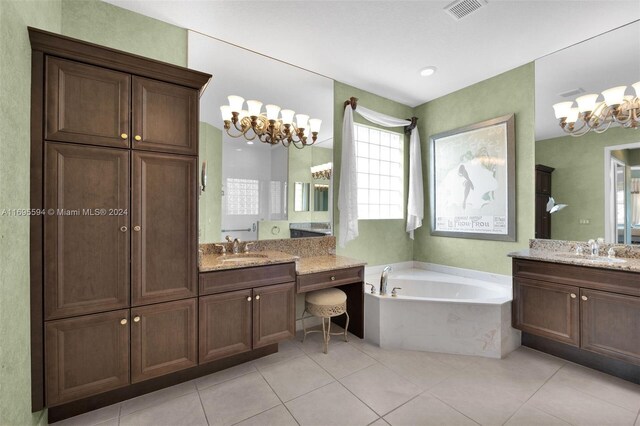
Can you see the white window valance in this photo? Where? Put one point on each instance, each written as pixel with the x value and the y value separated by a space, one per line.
pixel 348 190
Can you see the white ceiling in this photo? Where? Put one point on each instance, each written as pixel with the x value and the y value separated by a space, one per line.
pixel 609 60
pixel 380 46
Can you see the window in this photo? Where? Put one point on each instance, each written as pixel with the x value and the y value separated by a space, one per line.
pixel 380 166
pixel 243 196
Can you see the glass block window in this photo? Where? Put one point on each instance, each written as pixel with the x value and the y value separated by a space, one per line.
pixel 380 173
pixel 276 197
pixel 243 196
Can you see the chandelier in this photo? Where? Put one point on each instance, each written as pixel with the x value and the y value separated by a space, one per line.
pixel 322 171
pixel 268 127
pixel 599 116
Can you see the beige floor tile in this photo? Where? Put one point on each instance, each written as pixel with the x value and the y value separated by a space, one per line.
pixel 330 405
pixel 286 352
pixel 111 422
pixel 224 375
pixel 529 416
pixel 237 399
pixel 184 410
pixel 342 360
pixel 277 416
pixel 579 408
pixel 525 362
pixel 296 377
pixel 638 420
pixel 456 361
pixel 157 397
pixel 602 386
pixel 417 367
pixel 487 405
pixel 379 422
pixel 425 410
pixel 380 388
pixel 94 417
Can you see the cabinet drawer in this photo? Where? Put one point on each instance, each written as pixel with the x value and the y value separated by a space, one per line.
pixel 328 279
pixel 239 279
pixel 579 276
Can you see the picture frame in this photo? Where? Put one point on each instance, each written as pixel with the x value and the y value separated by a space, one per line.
pixel 472 173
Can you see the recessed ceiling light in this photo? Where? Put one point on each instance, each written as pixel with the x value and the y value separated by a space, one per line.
pixel 249 142
pixel 426 72
pixel 238 149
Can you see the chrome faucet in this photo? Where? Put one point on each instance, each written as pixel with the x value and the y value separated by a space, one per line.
pixel 594 246
pixel 235 244
pixel 383 280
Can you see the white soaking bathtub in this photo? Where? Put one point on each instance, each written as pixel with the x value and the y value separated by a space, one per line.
pixel 441 312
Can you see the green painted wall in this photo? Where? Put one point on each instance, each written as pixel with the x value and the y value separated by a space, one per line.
pixel 112 26
pixel 511 92
pixel 210 214
pixel 15 81
pixel 93 21
pixel 380 241
pixel 578 180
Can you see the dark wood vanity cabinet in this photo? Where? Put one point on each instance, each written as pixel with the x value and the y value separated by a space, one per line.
pixel 164 237
pixel 114 145
pixel 232 322
pixel 591 309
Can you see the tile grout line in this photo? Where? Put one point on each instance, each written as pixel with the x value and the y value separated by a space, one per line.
pixel 224 381
pixel 278 396
pixel 202 405
pixel 450 406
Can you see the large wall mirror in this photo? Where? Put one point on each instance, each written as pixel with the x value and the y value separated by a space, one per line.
pixel 252 188
pixel 596 175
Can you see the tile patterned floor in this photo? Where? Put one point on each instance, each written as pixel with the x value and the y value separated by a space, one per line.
pixel 361 384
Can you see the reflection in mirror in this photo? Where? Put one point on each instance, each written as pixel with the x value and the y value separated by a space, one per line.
pixel 251 184
pixel 320 197
pixel 600 204
pixel 301 197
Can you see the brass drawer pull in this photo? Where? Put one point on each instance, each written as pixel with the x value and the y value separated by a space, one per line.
pixel 123 321
pixel 123 228
pixel 136 228
pixel 584 298
pixel 258 297
pixel 248 298
pixel 333 277
pixel 573 295
pixel 136 318
pixel 138 138
pixel 124 136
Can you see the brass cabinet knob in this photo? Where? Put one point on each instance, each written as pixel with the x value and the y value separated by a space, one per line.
pixel 123 228
pixel 333 278
pixel 123 321
pixel 136 318
pixel 136 228
pixel 584 298
pixel 573 295
pixel 258 297
pixel 138 138
pixel 248 298
pixel 124 136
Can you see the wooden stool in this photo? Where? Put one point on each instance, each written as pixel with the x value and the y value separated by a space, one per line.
pixel 325 304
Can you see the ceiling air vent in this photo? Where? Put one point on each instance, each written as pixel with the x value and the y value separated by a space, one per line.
pixel 461 8
pixel 571 93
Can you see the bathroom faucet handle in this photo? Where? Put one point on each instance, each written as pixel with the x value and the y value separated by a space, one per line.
pixel 611 252
pixel 373 288
pixel 246 246
pixel 394 293
pixel 223 249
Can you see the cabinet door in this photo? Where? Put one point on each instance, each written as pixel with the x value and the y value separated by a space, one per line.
pixel 611 324
pixel 86 355
pixel 546 309
pixel 86 104
pixel 164 228
pixel 86 238
pixel 165 117
pixel 225 324
pixel 273 314
pixel 163 339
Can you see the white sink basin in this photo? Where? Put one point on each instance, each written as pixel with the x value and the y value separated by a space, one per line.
pixel 591 259
pixel 240 258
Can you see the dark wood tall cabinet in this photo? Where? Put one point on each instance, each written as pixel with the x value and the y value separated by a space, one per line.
pixel 543 192
pixel 114 163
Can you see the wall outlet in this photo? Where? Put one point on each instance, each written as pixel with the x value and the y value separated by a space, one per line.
pixel 585 221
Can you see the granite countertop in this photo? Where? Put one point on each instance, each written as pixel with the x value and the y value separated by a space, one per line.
pixel 216 262
pixel 310 265
pixel 570 258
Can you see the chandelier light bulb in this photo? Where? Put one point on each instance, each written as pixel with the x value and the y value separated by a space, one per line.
pixel 236 103
pixel 562 109
pixel 254 108
pixel 302 121
pixel 272 111
pixel 225 110
pixel 614 96
pixel 572 115
pixel 314 124
pixel 287 116
pixel 587 103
